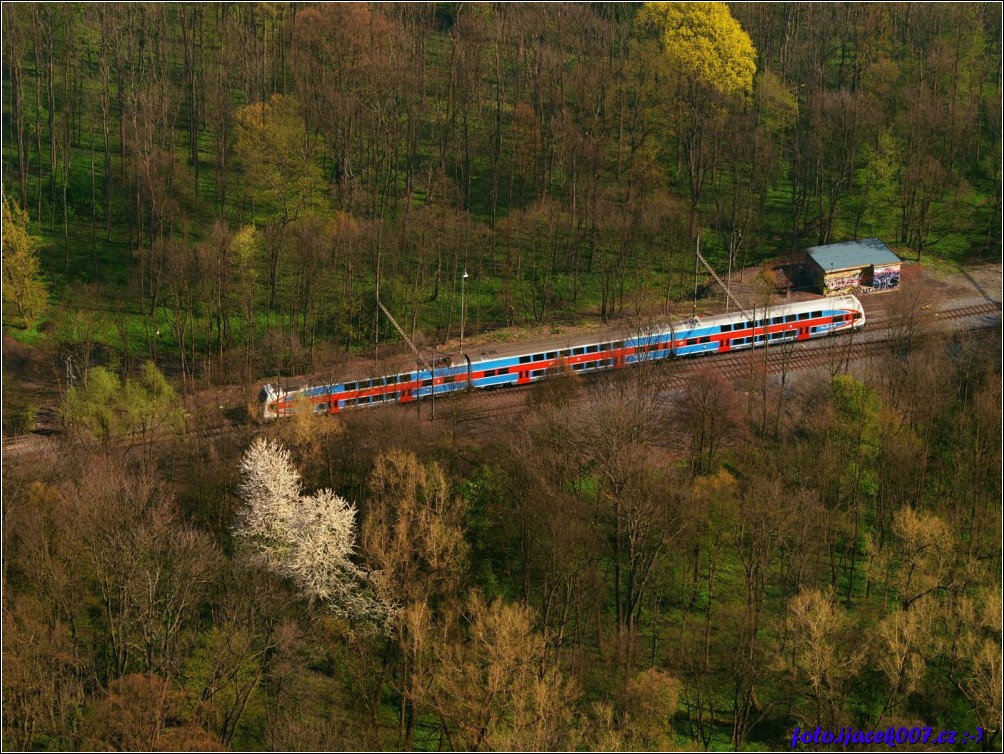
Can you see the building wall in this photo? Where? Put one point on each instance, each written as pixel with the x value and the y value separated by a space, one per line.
pixel 877 278
pixel 885 277
pixel 841 280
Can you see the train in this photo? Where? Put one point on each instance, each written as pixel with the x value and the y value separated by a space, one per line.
pixel 522 364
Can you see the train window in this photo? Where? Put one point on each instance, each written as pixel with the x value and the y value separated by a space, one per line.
pixel 524 359
pixel 749 325
pixel 618 344
pixel 578 351
pixel 578 367
pixel 857 315
pixel 537 373
pixel 727 327
pixel 426 383
pixel 691 341
pixel 490 373
pixel 817 314
pixel 551 355
pixel 538 357
pixel 803 315
pixel 592 349
pixel 777 320
pixel 504 370
pixel 705 339
pixel 789 317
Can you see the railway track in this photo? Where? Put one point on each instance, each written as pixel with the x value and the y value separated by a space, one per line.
pixel 833 353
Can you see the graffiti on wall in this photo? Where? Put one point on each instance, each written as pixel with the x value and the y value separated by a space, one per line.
pixel 885 278
pixel 840 283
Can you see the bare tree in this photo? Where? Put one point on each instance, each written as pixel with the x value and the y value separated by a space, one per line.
pixel 824 657
pixel 710 414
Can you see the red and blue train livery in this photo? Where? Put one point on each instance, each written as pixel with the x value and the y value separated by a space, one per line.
pixel 520 364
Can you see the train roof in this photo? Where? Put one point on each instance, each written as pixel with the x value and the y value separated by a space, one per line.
pixel 562 342
pixel 490 352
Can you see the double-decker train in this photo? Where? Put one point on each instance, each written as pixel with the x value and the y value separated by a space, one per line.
pixel 520 364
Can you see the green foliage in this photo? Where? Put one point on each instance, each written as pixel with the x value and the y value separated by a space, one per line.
pixel 225 671
pixel 879 181
pixel 706 43
pixel 24 290
pixel 776 104
pixel 273 148
pixel 857 431
pixel 111 409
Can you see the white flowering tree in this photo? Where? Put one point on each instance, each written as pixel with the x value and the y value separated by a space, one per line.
pixel 307 538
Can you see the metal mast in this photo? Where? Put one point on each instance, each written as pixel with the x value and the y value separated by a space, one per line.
pixel 724 287
pixel 401 332
pixel 423 362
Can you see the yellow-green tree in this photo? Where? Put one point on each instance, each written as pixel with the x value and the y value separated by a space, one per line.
pixel 23 287
pixel 704 42
pixel 712 61
pixel 111 410
pixel 276 154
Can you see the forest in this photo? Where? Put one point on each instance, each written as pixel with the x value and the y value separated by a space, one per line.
pixel 199 198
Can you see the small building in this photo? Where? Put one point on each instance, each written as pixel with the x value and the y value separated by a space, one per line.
pixel 854 267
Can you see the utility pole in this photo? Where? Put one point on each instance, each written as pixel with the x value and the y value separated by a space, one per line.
pixel 693 312
pixel 463 310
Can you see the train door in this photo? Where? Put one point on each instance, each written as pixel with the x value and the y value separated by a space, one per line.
pixel 804 329
pixel 617 351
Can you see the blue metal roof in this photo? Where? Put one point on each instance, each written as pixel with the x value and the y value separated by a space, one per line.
pixel 852 254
